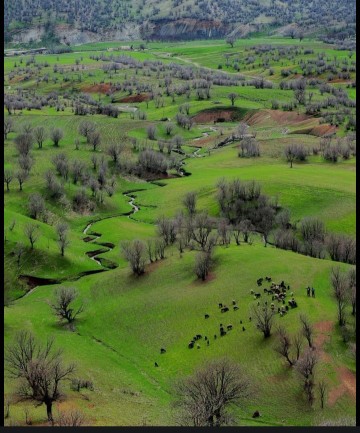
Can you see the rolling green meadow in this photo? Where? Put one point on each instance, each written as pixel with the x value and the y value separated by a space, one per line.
pixel 127 319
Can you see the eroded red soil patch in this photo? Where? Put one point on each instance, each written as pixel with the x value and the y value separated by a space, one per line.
pixel 97 88
pixel 136 98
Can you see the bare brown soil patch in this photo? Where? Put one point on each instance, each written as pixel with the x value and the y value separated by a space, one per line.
pixel 347 385
pixel 213 116
pixel 97 88
pixel 275 117
pixel 136 98
pixel 324 129
pixel 323 330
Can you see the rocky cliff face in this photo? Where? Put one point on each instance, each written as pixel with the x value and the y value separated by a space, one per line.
pixel 187 28
pixel 161 30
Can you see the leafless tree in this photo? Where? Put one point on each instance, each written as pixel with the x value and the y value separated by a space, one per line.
pixel 189 201
pixel 201 227
pixel 70 418
pixel 40 135
pixel 298 343
pixel 230 40
pixel 32 232
pixel 151 132
pixel 246 228
pixel 224 231
pixel 306 369
pixel 339 283
pixel 114 150
pixel 169 127
pixel 166 228
pixel 56 135
pixel 232 96
pixel 24 143
pixel 19 251
pixel 352 289
pixel 203 263
pixel 135 252
pixel 63 240
pixel 63 304
pixel 21 176
pixel 39 368
pixel 204 398
pixel 25 163
pixel 94 140
pixel 264 318
pixel 86 128
pixel 242 130
pixel 36 205
pixel 284 344
pixel 8 126
pixel 8 177
pixel 322 388
pixel 307 329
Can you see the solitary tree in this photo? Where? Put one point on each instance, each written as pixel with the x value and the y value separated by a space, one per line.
pixel 63 304
pixel 24 143
pixel 32 232
pixel 36 205
pixel 40 135
pixel 232 96
pixel 56 135
pixel 39 368
pixel 290 154
pixel 86 128
pixel 94 140
pixel 307 329
pixel 135 252
pixel 21 176
pixel 8 126
pixel 204 398
pixel 8 177
pixel 306 369
pixel 352 289
pixel 339 283
pixel 19 251
pixel 63 240
pixel 230 40
pixel 202 264
pixel 284 344
pixel 264 318
pixel 189 202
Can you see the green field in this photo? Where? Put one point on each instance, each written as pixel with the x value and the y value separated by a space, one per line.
pixel 127 319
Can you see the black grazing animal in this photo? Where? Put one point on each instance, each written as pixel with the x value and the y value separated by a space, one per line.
pixel 236 308
pixel 162 350
pixel 191 345
pixel 243 328
pixel 222 333
pixel 208 342
pixel 240 322
pixel 156 364
pixel 220 305
pixel 205 338
pixel 234 302
pixel 206 316
pixel 229 327
pixel 198 346
pixel 215 337
pixel 268 279
pixel 224 309
pixel 250 319
pixel 256 414
pixel 257 295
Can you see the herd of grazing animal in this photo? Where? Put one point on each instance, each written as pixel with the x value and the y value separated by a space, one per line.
pixel 223 329
pixel 278 293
